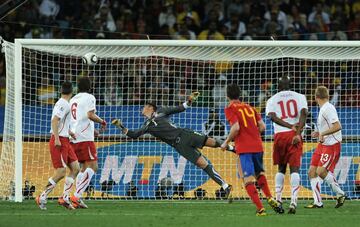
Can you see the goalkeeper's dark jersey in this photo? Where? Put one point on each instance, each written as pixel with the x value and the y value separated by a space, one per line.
pixel 160 126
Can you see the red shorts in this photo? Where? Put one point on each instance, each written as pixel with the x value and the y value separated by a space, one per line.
pixel 85 151
pixel 285 152
pixel 63 155
pixel 326 156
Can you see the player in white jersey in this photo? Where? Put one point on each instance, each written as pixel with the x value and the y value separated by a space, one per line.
pixel 327 153
pixel 62 153
pixel 287 110
pixel 83 116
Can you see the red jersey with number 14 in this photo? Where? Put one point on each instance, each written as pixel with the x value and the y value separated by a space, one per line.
pixel 248 139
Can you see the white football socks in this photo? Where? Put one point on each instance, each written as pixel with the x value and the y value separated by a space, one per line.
pixel 85 181
pixel 316 188
pixel 51 185
pixel 69 182
pixel 331 181
pixel 279 185
pixel 295 187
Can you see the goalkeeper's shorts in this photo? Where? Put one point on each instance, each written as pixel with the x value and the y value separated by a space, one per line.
pixel 187 144
pixel 61 156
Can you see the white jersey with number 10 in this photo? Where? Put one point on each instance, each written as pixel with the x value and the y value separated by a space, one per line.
pixel 81 125
pixel 287 106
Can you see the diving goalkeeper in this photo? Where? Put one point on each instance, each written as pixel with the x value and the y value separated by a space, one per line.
pixel 185 141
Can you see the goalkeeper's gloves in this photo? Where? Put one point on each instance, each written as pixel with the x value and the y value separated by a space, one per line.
pixel 118 123
pixel 193 97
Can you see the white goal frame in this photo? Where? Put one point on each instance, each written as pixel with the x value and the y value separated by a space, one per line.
pixel 20 43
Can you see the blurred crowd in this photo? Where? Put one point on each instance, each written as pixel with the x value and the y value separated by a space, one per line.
pixel 185 19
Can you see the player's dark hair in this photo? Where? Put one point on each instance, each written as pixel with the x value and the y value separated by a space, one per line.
pixel 284 83
pixel 66 88
pixel 152 104
pixel 84 84
pixel 233 91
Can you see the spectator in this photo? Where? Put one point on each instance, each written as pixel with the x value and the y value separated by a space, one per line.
pixel 187 11
pixel 211 33
pixel 184 33
pixel 46 92
pixel 319 17
pixel 276 15
pixel 336 33
pixel 112 95
pixel 49 9
pixel 213 127
pixel 167 16
pixel 235 7
pixel 106 19
pixel 219 90
pixel 235 27
pixel 354 26
pixel 298 20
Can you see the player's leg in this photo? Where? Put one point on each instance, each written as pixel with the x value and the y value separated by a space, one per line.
pixel 315 180
pixel 295 188
pixel 187 147
pixel 88 156
pixel 68 185
pixel 202 163
pixel 279 184
pixel 294 160
pixel 248 172
pixel 58 175
pixel 257 159
pixel 212 142
pixel 328 161
pixel 60 171
pixel 279 151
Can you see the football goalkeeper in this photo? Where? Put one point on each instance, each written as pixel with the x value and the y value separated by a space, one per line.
pixel 185 141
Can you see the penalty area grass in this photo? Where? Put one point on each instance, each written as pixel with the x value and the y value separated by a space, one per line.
pixel 174 213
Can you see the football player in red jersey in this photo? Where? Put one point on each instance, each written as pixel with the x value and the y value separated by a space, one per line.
pixel 246 125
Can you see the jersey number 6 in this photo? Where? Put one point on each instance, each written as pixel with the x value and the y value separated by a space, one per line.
pixel 73 110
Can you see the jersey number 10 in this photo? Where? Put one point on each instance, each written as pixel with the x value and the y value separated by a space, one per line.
pixel 290 111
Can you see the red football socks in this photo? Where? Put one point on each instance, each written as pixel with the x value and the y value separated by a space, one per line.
pixel 253 194
pixel 262 182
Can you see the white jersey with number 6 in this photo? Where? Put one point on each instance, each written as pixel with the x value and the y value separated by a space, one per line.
pixel 287 106
pixel 328 116
pixel 62 110
pixel 81 125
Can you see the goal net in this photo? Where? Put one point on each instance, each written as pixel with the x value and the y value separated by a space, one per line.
pixel 131 72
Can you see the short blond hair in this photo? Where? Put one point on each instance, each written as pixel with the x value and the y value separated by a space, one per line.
pixel 322 92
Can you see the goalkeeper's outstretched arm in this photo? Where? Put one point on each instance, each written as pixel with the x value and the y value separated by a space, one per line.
pixel 178 109
pixel 130 133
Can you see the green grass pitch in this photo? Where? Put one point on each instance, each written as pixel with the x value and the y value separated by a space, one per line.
pixel 174 213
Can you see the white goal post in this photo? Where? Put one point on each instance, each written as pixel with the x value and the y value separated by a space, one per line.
pixel 133 71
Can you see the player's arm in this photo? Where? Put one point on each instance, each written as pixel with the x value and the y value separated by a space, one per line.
pixel 130 133
pixel 261 126
pixel 234 129
pixel 178 109
pixel 55 130
pixel 95 118
pixel 278 121
pixel 336 126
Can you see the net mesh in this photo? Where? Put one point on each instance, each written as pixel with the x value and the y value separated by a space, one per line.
pixel 126 77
